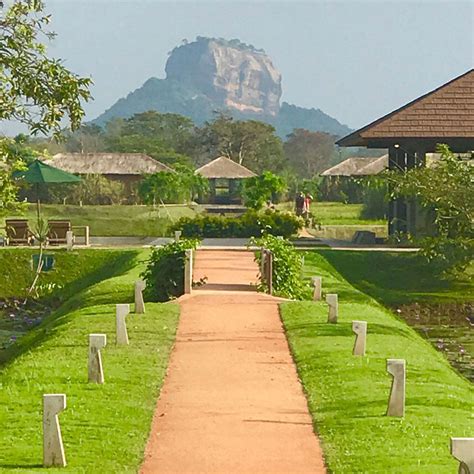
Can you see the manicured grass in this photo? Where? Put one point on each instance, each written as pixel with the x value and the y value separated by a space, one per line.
pixel 104 428
pixel 348 395
pixel 140 221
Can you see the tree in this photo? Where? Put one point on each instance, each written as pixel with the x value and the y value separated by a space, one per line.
pixel 34 89
pixel 447 188
pixel 250 143
pixel 309 153
pixel 259 189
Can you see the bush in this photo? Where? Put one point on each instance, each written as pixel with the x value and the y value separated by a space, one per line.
pixel 250 224
pixel 286 269
pixel 164 273
pixel 260 189
pixel 374 198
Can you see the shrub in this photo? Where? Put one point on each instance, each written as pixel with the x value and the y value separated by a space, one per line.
pixel 374 198
pixel 250 224
pixel 259 189
pixel 164 273
pixel 286 269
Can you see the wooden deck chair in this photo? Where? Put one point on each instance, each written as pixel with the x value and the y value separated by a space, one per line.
pixel 57 232
pixel 18 232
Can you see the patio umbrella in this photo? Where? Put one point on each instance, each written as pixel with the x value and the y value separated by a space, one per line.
pixel 40 173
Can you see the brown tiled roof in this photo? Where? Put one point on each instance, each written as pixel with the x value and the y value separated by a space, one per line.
pixel 107 163
pixel 448 111
pixel 224 167
pixel 358 166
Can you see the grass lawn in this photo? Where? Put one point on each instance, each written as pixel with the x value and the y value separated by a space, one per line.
pixel 104 428
pixel 139 221
pixel 348 395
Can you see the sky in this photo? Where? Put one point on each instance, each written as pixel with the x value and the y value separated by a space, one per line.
pixel 355 60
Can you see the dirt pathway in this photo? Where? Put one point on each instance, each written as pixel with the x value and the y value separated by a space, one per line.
pixel 231 402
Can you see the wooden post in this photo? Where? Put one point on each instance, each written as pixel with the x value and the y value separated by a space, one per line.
pixel 270 272
pixel 188 272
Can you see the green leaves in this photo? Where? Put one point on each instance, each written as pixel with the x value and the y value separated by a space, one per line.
pixel 259 189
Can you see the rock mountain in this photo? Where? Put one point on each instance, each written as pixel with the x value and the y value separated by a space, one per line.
pixel 209 75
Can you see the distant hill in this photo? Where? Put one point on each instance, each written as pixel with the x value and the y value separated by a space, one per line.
pixel 211 75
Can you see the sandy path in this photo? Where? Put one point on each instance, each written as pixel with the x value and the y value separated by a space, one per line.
pixel 231 402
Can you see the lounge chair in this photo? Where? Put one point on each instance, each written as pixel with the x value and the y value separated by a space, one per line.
pixel 57 232
pixel 18 232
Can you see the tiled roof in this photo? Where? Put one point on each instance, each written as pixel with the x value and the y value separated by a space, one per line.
pixel 448 111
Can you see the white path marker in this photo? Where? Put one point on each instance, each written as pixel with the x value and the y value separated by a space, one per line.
pixel 317 285
pixel 121 310
pixel 96 371
pixel 177 235
pixel 331 300
pixel 69 240
pixel 140 285
pixel 396 402
pixel 463 450
pixel 53 449
pixel 188 272
pixel 360 329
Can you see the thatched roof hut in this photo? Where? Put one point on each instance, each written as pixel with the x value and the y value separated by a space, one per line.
pixel 108 164
pixel 358 166
pixel 224 168
pixel 224 177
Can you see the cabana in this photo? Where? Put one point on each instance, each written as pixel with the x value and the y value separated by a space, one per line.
pixel 444 115
pixel 225 177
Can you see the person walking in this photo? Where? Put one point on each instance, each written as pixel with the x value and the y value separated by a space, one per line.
pixel 306 205
pixel 299 204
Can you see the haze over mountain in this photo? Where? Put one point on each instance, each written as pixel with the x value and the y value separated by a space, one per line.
pixel 212 75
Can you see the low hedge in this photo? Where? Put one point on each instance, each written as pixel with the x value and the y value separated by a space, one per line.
pixel 250 224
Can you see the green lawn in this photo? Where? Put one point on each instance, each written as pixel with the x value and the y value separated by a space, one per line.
pixel 348 395
pixel 104 428
pixel 140 221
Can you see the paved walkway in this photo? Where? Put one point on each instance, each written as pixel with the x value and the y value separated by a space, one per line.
pixel 231 402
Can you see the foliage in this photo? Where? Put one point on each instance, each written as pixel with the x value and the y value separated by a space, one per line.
pixel 350 416
pixel 286 266
pixel 344 189
pixel 179 187
pixel 256 191
pixel 164 273
pixel 309 153
pixel 250 224
pixel 250 143
pixel 447 188
pixel 35 89
pixel 374 198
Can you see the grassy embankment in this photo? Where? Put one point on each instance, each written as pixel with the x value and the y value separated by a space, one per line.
pixel 139 221
pixel 104 427
pixel 348 395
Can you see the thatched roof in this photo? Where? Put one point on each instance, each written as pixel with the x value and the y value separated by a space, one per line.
pixel 224 167
pixel 358 166
pixel 107 163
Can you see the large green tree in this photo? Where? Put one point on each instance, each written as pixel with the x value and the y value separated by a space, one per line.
pixel 250 143
pixel 35 90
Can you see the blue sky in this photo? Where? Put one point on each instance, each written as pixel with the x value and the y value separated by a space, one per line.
pixel 354 60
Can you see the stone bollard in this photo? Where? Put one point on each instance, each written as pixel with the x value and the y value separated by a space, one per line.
pixel 121 311
pixel 96 343
pixel 396 403
pixel 188 272
pixel 360 329
pixel 140 285
pixel 331 300
pixel 463 450
pixel 69 240
pixel 53 449
pixel 177 235
pixel 317 285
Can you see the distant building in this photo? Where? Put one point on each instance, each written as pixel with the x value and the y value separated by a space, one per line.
pixel 444 115
pixel 128 168
pixel 225 177
pixel 358 166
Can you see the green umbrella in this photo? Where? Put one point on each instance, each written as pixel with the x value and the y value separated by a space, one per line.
pixel 40 173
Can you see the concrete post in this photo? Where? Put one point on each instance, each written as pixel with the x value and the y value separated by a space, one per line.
pixel 177 235
pixel 360 329
pixel 96 343
pixel 53 449
pixel 317 285
pixel 270 272
pixel 140 285
pixel 463 450
pixel 188 272
pixel 69 240
pixel 396 403
pixel 332 301
pixel 121 311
